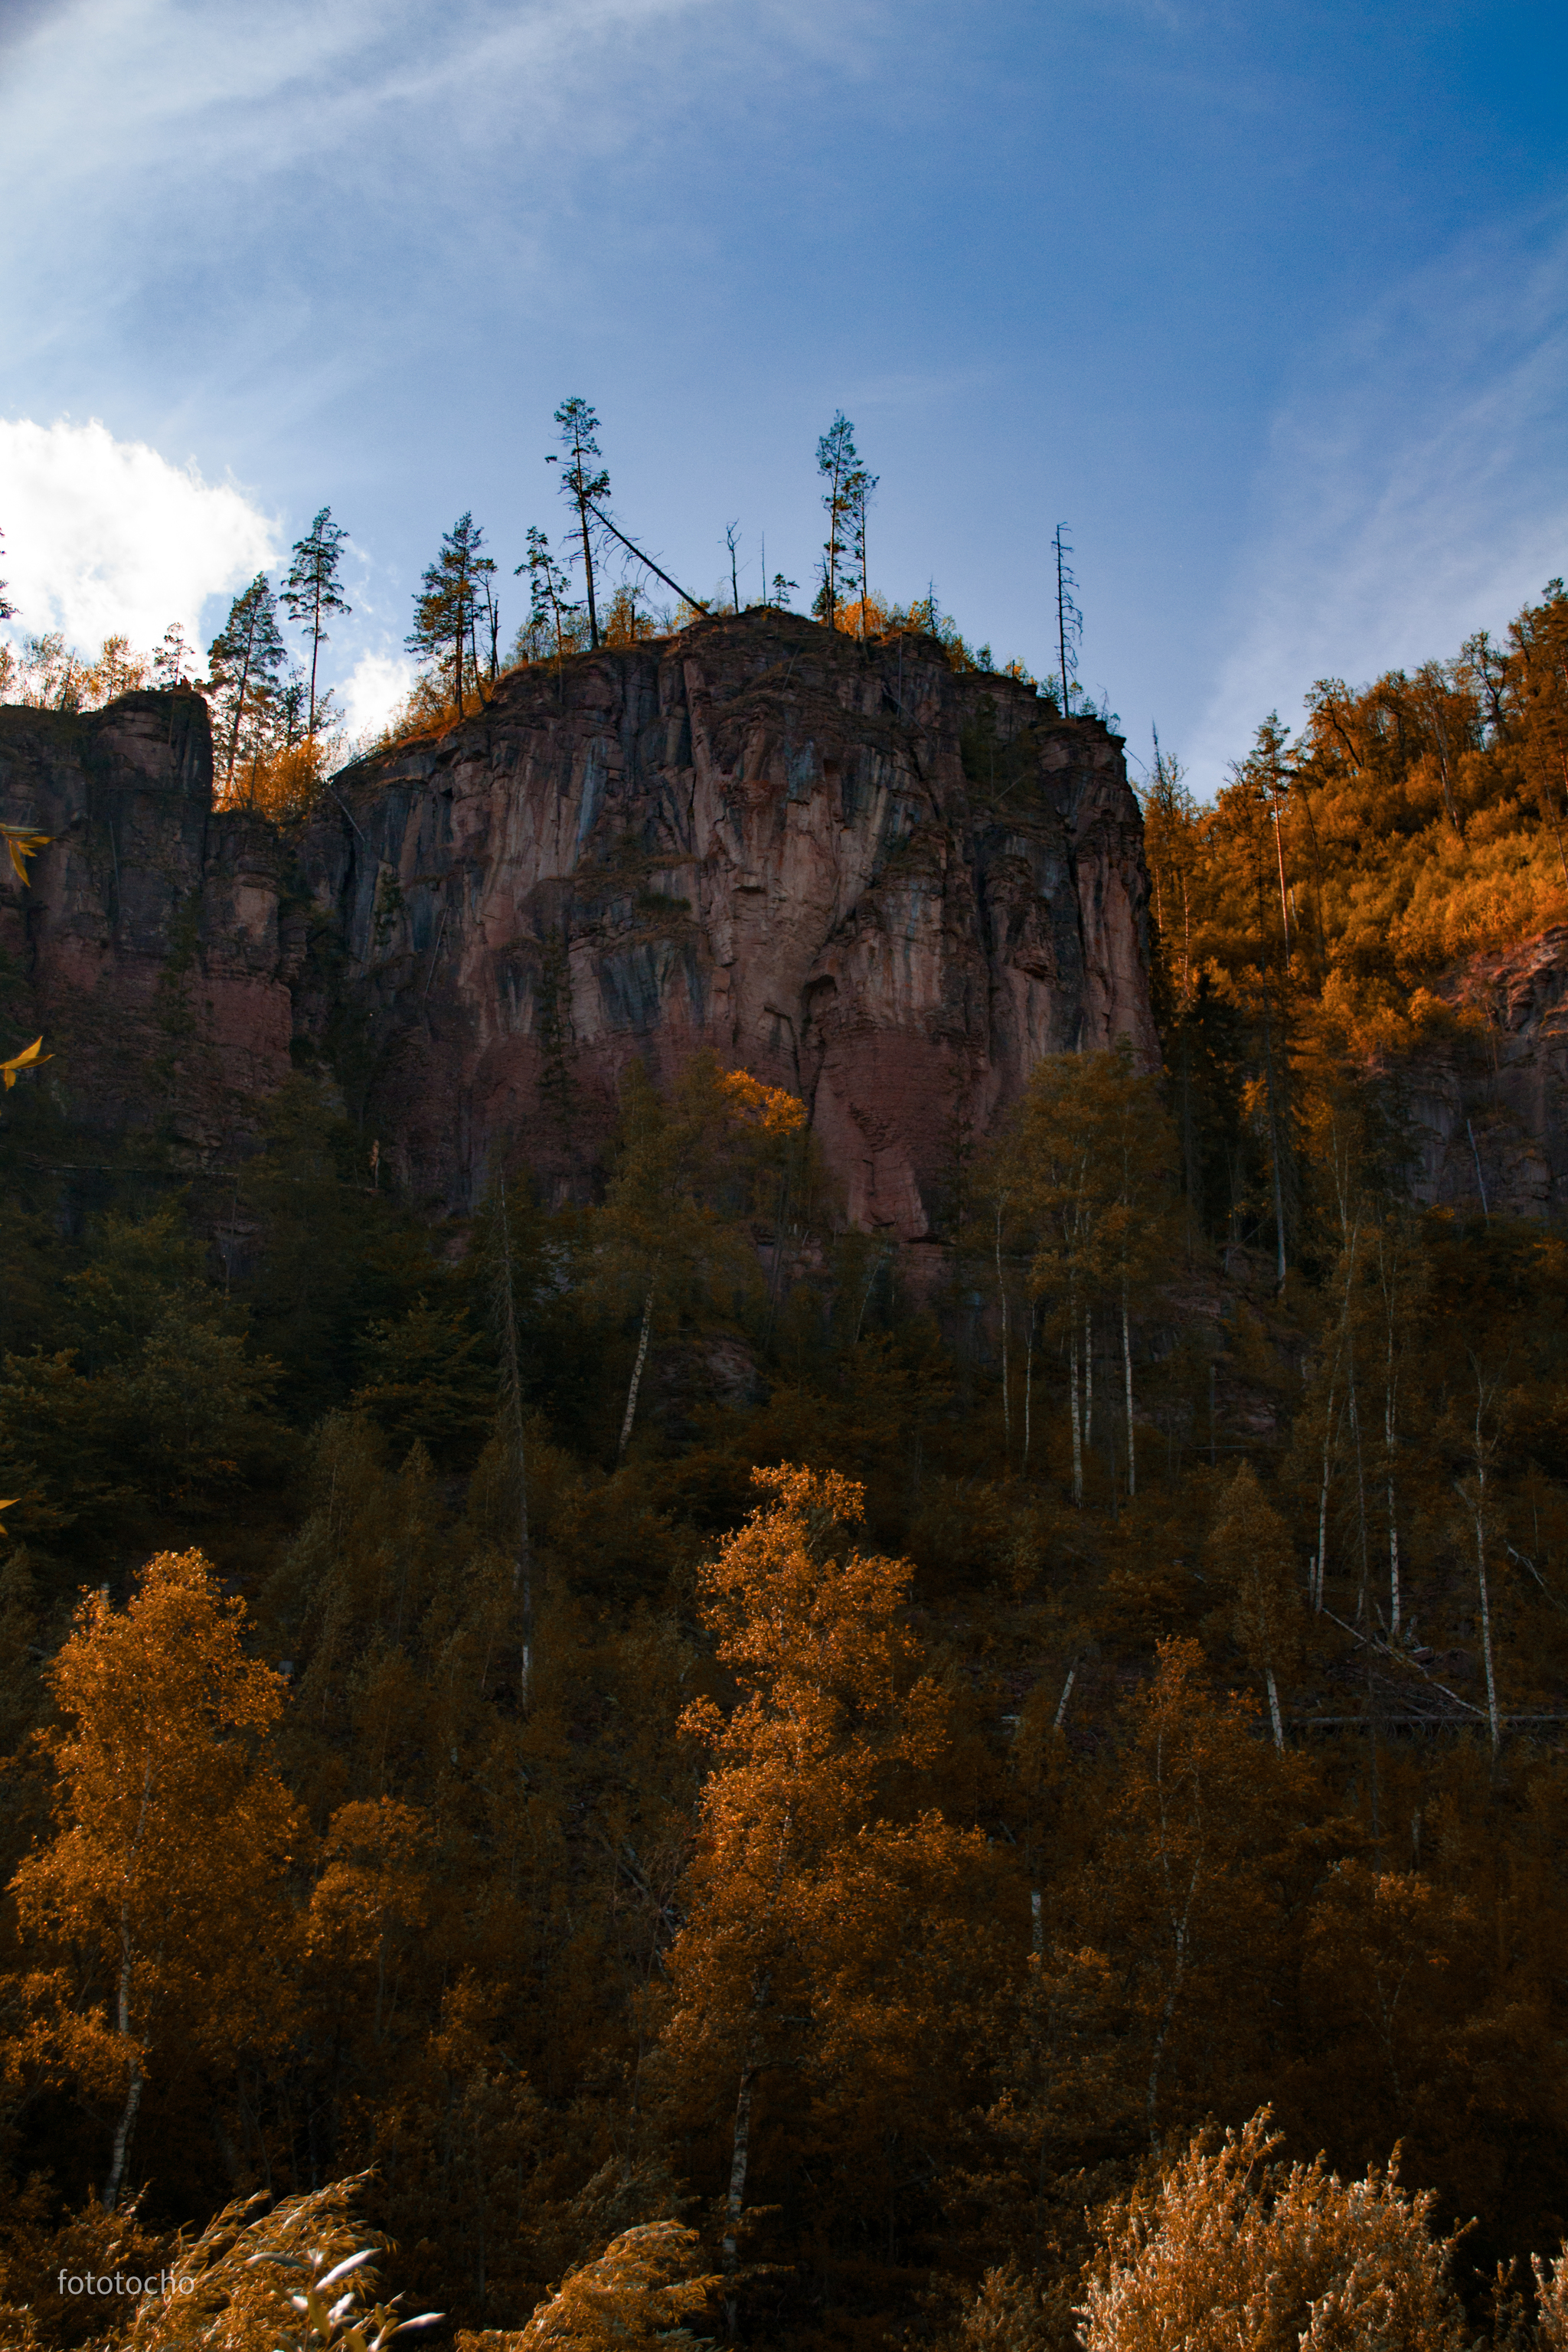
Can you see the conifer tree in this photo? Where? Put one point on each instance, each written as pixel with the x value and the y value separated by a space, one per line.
pixel 550 614
pixel 847 487
pixel 311 592
pixel 444 612
pixel 582 483
pixel 172 657
pixel 243 662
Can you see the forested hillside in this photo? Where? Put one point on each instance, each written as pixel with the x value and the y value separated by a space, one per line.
pixel 649 1704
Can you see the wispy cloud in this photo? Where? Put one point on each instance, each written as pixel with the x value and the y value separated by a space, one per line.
pixel 373 690
pixel 104 535
pixel 1414 485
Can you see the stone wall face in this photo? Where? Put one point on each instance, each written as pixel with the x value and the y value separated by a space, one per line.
pixel 883 884
pixel 1487 1113
pixel 149 944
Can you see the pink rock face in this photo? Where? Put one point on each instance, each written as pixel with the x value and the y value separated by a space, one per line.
pixel 148 940
pixel 883 884
pixel 1486 1114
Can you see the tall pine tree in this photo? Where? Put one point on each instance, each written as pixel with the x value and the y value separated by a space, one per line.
pixel 444 612
pixel 312 592
pixel 244 661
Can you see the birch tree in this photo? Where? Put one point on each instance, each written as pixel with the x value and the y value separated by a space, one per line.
pixel 165 1873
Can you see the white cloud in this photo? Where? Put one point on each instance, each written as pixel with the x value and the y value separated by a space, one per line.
pixel 1415 487
pixel 373 690
pixel 105 536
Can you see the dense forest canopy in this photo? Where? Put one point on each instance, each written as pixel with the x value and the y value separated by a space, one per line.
pixel 654 1733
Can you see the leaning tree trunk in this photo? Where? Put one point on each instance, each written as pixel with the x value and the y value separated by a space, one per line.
pixel 637 1376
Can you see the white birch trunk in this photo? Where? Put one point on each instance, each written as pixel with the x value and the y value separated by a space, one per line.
pixel 1029 1383
pixel 1076 1421
pixel 636 1375
pixel 1480 1518
pixel 127 2125
pixel 1127 1369
pixel 1316 1593
pixel 1067 1694
pixel 1274 1716
pixel 1087 1379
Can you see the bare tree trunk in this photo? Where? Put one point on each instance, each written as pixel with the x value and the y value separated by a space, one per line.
pixel 1274 1716
pixel 588 569
pixel 1480 1520
pixel 1087 1379
pixel 511 1408
pixel 1317 1593
pixel 1274 1146
pixel 739 2157
pixel 1127 1369
pixel 1067 1694
pixel 1028 1381
pixel 1002 1290
pixel 636 1375
pixel 1390 1440
pixel 1076 1417
pixel 1038 1920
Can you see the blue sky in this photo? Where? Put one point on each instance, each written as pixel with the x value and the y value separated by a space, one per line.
pixel 1271 303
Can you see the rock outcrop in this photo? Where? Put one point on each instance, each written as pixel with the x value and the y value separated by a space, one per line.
pixel 1488 1110
pixel 149 946
pixel 886 885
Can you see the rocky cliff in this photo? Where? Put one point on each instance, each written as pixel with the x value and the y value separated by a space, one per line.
pixel 886 886
pixel 148 946
pixel 883 884
pixel 1488 1109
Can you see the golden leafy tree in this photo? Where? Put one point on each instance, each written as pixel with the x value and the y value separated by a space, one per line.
pixel 165 1873
pixel 643 2291
pixel 1230 2253
pixel 782 1973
